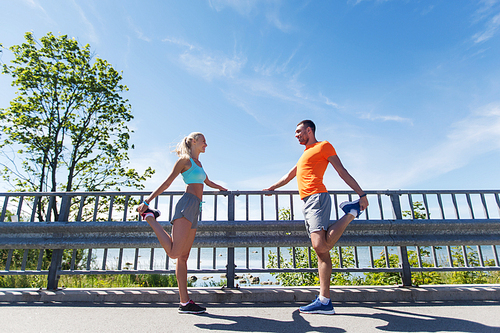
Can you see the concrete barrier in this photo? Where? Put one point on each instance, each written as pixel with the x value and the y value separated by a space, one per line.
pixel 257 294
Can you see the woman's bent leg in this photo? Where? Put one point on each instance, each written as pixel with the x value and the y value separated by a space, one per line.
pixel 163 236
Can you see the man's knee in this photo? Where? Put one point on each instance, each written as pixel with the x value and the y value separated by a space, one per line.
pixel 318 242
pixel 322 252
pixel 321 248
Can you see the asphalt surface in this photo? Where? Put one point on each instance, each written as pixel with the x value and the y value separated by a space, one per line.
pixel 437 316
pixel 445 308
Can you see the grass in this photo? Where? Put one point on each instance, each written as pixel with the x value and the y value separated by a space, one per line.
pixel 164 281
pixel 91 281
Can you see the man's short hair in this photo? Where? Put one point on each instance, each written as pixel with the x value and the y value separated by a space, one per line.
pixel 308 123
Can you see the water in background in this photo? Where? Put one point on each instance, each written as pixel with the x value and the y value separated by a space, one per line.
pixel 257 259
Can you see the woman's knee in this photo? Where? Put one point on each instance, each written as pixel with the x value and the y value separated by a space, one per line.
pixel 179 254
pixel 182 259
pixel 174 254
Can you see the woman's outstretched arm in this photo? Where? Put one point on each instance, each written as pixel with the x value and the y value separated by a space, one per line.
pixel 211 184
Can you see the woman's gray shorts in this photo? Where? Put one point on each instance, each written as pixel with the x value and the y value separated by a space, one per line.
pixel 188 206
pixel 317 209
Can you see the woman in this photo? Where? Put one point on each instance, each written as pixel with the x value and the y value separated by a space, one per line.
pixel 187 210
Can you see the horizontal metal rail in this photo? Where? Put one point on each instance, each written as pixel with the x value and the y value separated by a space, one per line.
pixel 84 235
pixel 462 235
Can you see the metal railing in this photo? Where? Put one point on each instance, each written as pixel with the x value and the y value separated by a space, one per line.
pixel 100 233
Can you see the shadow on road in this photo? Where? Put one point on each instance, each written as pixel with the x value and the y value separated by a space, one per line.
pixel 395 321
pixel 385 317
pixel 403 321
pixel 255 324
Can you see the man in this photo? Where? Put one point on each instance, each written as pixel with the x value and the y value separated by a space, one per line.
pixel 317 205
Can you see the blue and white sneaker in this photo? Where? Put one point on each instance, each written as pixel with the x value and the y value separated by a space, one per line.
pixel 347 206
pixel 317 307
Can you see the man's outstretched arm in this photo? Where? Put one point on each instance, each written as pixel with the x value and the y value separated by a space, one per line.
pixel 348 179
pixel 284 180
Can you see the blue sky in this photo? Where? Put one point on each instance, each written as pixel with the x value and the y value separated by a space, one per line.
pixel 408 92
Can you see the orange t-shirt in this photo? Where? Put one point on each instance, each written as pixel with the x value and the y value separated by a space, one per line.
pixel 312 166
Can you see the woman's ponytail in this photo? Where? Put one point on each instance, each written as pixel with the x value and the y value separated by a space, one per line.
pixel 183 148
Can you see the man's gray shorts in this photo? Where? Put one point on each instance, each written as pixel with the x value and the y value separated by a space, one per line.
pixel 317 209
pixel 188 206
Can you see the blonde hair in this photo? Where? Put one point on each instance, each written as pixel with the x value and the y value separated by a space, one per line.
pixel 183 148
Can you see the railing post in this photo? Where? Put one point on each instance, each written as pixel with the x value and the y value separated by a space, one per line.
pixel 403 254
pixel 56 262
pixel 230 268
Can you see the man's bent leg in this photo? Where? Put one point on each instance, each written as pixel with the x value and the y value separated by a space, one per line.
pixel 337 229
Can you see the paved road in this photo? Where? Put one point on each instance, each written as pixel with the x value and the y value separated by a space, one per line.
pixel 451 316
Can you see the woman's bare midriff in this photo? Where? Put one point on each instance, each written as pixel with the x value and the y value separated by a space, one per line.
pixel 196 189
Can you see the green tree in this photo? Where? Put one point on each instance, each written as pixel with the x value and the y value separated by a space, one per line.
pixel 301 261
pixel 419 211
pixel 285 214
pixel 457 277
pixel 383 278
pixel 68 123
pixel 311 278
pixel 390 278
pixel 467 277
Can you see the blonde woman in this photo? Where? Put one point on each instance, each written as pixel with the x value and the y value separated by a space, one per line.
pixel 185 219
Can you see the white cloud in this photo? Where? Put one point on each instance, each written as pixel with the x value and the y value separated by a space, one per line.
pixel 389 165
pixel 210 65
pixel 284 89
pixel 489 12
pixel 91 33
pixel 279 80
pixel 275 67
pixel 138 32
pixel 491 28
pixel 427 10
pixel 179 42
pixel 477 134
pixel 485 9
pixel 375 117
pixel 274 18
pixel 207 64
pixel 329 102
pixel 34 4
pixel 356 2
pixel 274 79
pixel 236 100
pixel 243 7
pixel 482 128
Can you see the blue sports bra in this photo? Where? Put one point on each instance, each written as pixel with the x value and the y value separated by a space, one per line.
pixel 194 175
